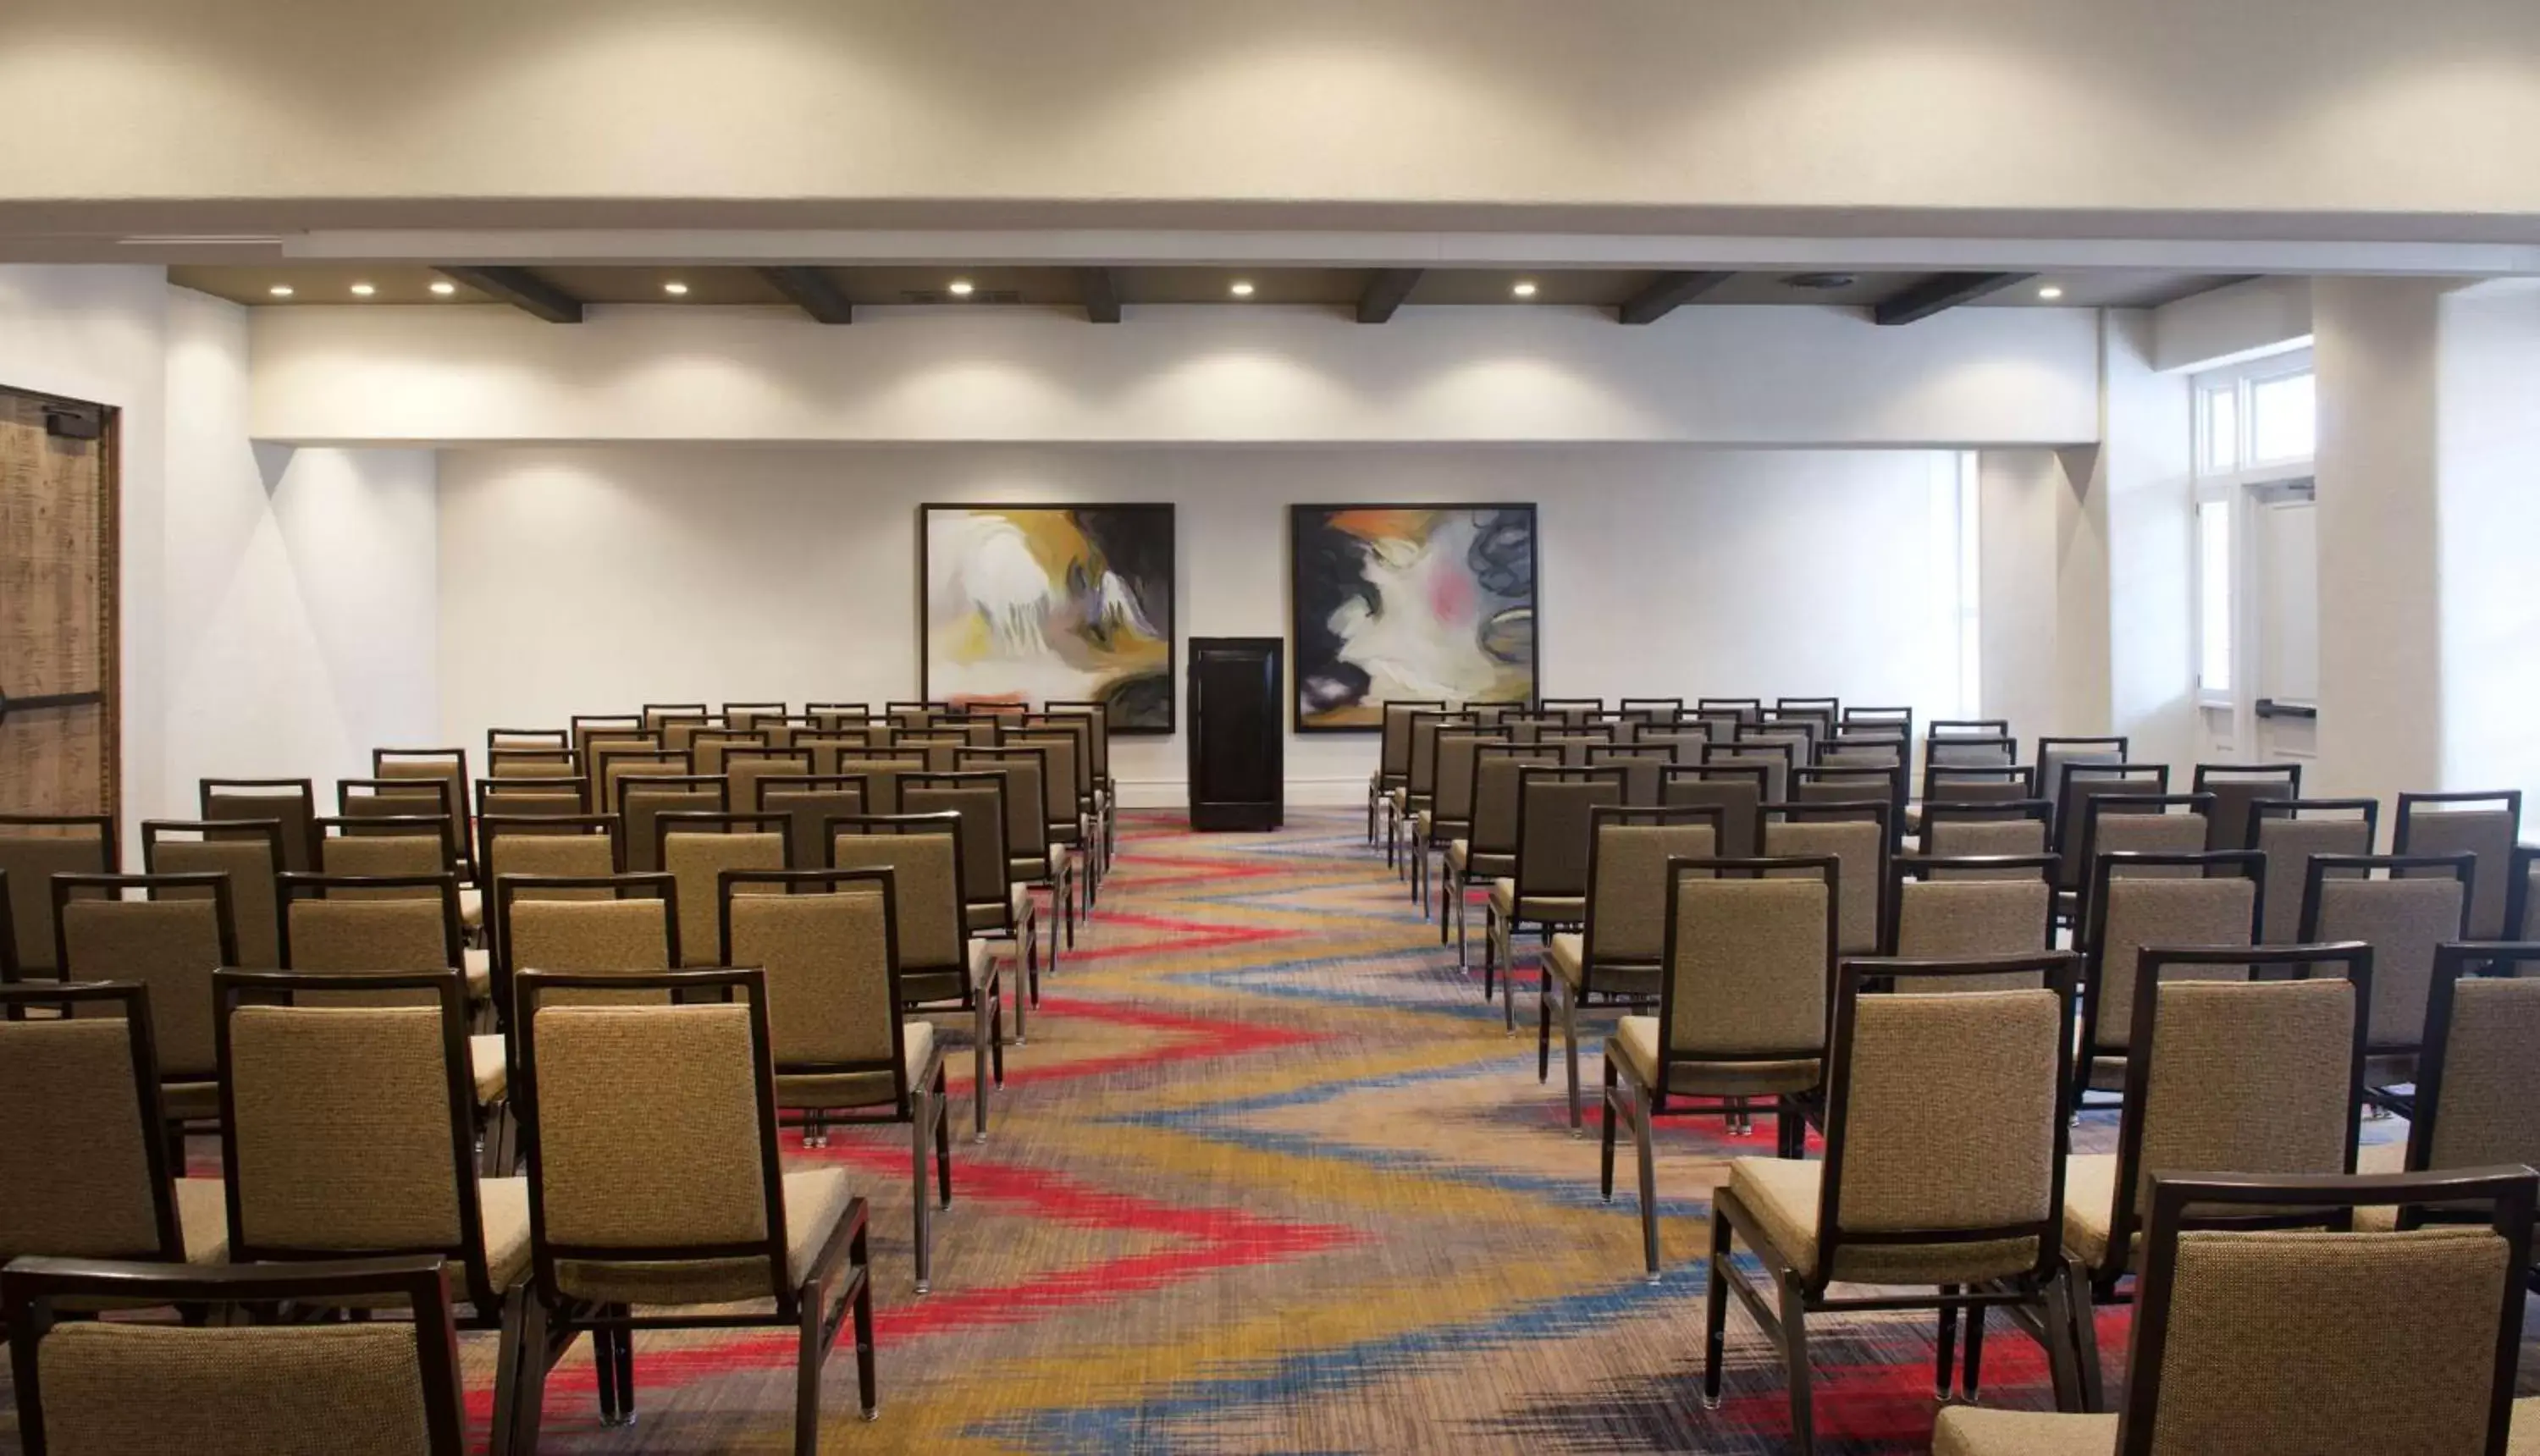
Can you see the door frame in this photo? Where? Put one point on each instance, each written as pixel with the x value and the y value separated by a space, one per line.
pixel 109 583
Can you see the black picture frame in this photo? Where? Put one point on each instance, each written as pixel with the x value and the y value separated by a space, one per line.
pixel 1154 714
pixel 1304 634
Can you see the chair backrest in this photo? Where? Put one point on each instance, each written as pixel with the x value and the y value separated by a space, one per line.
pixel 501 739
pixel 1023 774
pixel 2264 1339
pixel 2018 826
pixel 1644 768
pixel 1775 758
pixel 1945 784
pixel 644 797
pixel 446 766
pixel 2288 832
pixel 650 1131
pixel 585 925
pixel 1060 801
pixel 1393 751
pixel 1555 818
pixel 1627 879
pixel 526 798
pixel 1908 1177
pixel 385 1388
pixel 2133 903
pixel 1731 710
pixel 940 746
pixel 1651 711
pixel 2423 905
pixel 1496 771
pixel 532 763
pixel 34 848
pixel 2054 754
pixel 1898 719
pixel 2081 783
pixel 828 940
pixel 1946 909
pixel 1079 727
pixel 1854 835
pixel 2138 824
pixel 922 853
pixel 560 843
pixel 370 923
pixel 2263 1077
pixel 82 1152
pixel 2523 906
pixel 2237 785
pixel 2486 825
pixel 1750 961
pixel 1832 783
pixel 745 769
pixel 1956 752
pixel 349 1129
pixel 660 715
pixel 835 716
pixel 291 801
pixel 1096 717
pixel 696 850
pixel 808 802
pixel 613 761
pixel 880 771
pixel 2477 1102
pixel 170 940
pixel 987 865
pixel 744 717
pixel 1456 750
pixel 1683 741
pixel 399 845
pixel 1426 725
pixel 248 852
pixel 1740 790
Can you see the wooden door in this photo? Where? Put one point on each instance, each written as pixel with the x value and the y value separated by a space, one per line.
pixel 58 716
pixel 1237 732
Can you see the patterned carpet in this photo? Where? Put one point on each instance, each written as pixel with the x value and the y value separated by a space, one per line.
pixel 1270 1177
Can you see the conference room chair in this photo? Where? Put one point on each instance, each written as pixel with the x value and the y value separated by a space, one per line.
pixel 2288 831
pixel 880 770
pixel 2010 827
pixel 34 848
pixel 1775 758
pixel 1742 1007
pixel 2054 755
pixel 1496 712
pixel 532 763
pixel 2522 905
pixel 1826 711
pixel 449 766
pixel 941 746
pixel 696 847
pixel 1643 767
pixel 528 798
pixel 2406 907
pixel 994 904
pixel 1417 794
pixel 375 844
pixel 657 716
pixel 1852 746
pixel 2144 900
pixel 1096 717
pixel 679 731
pixel 1031 860
pixel 808 801
pixel 1577 740
pixel 1857 836
pixel 2122 823
pixel 1090 803
pixel 587 924
pixel 1614 959
pixel 1740 790
pixel 549 844
pixel 1683 739
pixel 291 803
pixel 350 1130
pixel 1064 823
pixel 1731 710
pixel 502 739
pixel 384 1387
pixel 1969 743
pixel 1913 1192
pixel 826 748
pixel 1831 783
pixel 1570 711
pixel 1976 907
pixel 641 792
pixel 1798 739
pixel 615 757
pixel 710 747
pixel 588 729
pixel 87 1169
pixel 2474 1096
pixel 657 1196
pixel 942 966
pixel 1651 712
pixel 2486 824
pixel 846 1048
pixel 2257 1076
pixel 835 717
pixel 745 768
pixel 1449 817
pixel 912 713
pixel 167 932
pixel 1897 720
pixel 748 717
pixel 2236 787
pixel 2071 794
pixel 248 852
pixel 1548 890
pixel 2251 1340
pixel 1944 783
pixel 1489 852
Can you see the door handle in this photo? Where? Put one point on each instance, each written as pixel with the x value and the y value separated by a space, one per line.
pixel 2270 708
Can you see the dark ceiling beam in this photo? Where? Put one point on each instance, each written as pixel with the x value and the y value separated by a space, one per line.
pixel 1939 293
pixel 812 291
pixel 1101 289
pixel 1666 293
pixel 520 288
pixel 1385 293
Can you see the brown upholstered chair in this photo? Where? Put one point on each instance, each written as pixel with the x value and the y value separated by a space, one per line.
pixel 745 769
pixel 2475 1104
pixel 34 848
pixel 2264 1076
pixel 2523 906
pixel 585 925
pixel 1418 792
pixel 1643 767
pixel 1489 851
pixel 383 1388
pixel 85 1168
pixel 654 1181
pixel 291 801
pixel 941 965
pixel 2072 793
pixel 352 924
pixel 808 802
pixel 2236 787
pixel 1067 862
pixel 2486 825
pixel 695 849
pixel 647 791
pixel 1449 816
pixel 1655 712
pixel 2288 831
pixel 658 717
pixel 1089 806
pixel 1096 719
pixel 1614 959
pixel 248 852
pixel 178 930
pixel 1739 788
pixel 1953 830
pixel 524 798
pixel 508 740
pixel 1555 820
pixel 1913 1191
pixel 846 1050
pixel 1774 754
pixel 391 845
pixel 1857 836
pixel 2142 900
pixel 447 765
pixel 531 763
pixel 2406 918
pixel 2056 754
pixel 880 770
pixel 2130 823
pixel 746 717
pixel 1973 908
pixel 1731 710
pixel 994 902
pixel 710 749
pixel 2265 1342
pixel 1743 1006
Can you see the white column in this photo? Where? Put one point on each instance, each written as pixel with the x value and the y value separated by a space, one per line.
pixel 2488 531
pixel 2145 470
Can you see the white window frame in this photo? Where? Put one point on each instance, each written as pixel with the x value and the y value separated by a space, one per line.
pixel 2242 487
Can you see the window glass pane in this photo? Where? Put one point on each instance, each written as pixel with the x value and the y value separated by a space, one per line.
pixel 2284 417
pixel 2223 428
pixel 2213 595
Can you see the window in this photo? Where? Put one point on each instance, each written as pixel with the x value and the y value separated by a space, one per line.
pixel 2214 598
pixel 2257 425
pixel 2284 417
pixel 2221 426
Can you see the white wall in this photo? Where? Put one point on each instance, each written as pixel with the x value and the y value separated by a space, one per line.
pixel 2022 494
pixel 2145 465
pixel 1819 378
pixel 2490 524
pixel 300 583
pixel 588 580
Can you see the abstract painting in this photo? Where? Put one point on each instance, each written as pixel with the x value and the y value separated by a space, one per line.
pixel 1423 602
pixel 1044 603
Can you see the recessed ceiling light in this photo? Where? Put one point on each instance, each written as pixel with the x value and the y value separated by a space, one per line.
pixel 675 288
pixel 445 288
pixel 2050 292
pixel 280 290
pixel 961 288
pixel 1524 288
pixel 363 290
pixel 1241 287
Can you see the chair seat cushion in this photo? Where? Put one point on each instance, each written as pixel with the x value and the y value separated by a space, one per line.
pixel 1974 1431
pixel 190 1101
pixel 2090 1204
pixel 1782 1195
pixel 848 1090
pixel 504 1204
pixel 1547 909
pixel 472 908
pixel 1468 863
pixel 203 1218
pixel 493 1073
pixel 1634 1050
pixel 981 916
pixel 1568 957
pixel 478 964
pixel 815 1201
pixel 2380 1157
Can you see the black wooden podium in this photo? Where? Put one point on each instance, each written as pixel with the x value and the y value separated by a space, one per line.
pixel 1237 732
